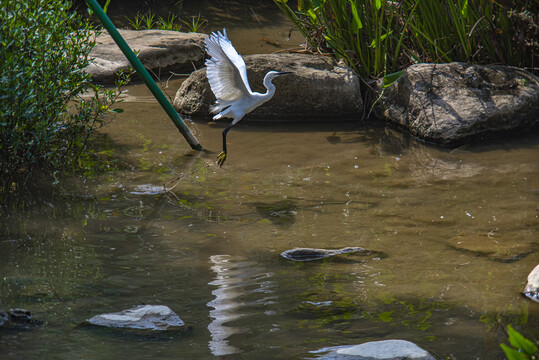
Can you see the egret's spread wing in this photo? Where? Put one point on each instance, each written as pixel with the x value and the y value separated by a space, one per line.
pixel 226 70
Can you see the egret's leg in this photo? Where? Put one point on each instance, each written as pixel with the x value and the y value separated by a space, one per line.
pixel 222 155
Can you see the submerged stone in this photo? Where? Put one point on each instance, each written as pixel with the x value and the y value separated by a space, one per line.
pixel 144 317
pixel 330 308
pixel 505 247
pixel 309 254
pixel 379 350
pixel 17 318
pixel 4 317
pixel 281 213
pixel 532 287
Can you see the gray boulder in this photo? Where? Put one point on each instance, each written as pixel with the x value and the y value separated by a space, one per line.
pixel 532 287
pixel 379 350
pixel 160 51
pixel 452 103
pixel 318 89
pixel 142 317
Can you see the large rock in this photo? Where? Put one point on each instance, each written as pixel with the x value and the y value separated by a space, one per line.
pixel 380 350
pixel 453 103
pixel 318 89
pixel 160 51
pixel 143 317
pixel 532 287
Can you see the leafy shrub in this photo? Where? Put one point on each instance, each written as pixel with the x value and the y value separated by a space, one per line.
pixel 48 107
pixel 379 37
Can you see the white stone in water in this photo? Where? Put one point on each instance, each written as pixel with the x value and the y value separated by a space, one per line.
pixel 386 350
pixel 532 287
pixel 152 317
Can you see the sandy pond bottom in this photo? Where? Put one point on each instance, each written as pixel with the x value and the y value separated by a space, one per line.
pixel 454 230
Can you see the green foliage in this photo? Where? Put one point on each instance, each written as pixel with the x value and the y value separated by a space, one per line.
pixel 378 37
pixel 149 22
pixel 522 348
pixel 48 107
pixel 196 24
pixel 168 23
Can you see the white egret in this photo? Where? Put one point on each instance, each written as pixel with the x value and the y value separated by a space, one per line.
pixel 227 74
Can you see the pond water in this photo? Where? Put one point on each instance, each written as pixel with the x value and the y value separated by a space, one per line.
pixel 453 234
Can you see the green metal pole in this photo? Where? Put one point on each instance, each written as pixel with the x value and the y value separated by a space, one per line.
pixel 150 83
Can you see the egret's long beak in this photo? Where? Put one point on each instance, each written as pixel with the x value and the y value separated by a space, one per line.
pixel 284 72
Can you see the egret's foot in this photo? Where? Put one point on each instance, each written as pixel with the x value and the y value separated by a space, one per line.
pixel 221 158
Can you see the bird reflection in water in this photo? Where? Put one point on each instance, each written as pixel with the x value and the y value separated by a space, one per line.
pixel 235 279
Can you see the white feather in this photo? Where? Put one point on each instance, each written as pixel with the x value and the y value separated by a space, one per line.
pixel 227 75
pixel 226 70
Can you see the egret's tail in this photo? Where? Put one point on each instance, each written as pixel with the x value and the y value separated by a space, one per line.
pixel 219 108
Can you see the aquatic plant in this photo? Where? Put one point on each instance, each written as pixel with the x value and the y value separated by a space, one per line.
pixel 149 22
pixel 48 106
pixel 378 37
pixel 196 24
pixel 137 22
pixel 522 348
pixel 168 23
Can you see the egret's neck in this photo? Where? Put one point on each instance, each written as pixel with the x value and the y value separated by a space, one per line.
pixel 269 85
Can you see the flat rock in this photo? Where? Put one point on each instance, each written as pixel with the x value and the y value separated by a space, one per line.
pixel 142 317
pixel 318 89
pixel 453 103
pixel 532 287
pixel 379 350
pixel 160 51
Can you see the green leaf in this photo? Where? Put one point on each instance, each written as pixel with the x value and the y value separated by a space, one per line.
pixel 378 4
pixel 375 42
pixel 513 354
pixel 311 14
pixel 357 20
pixel 106 7
pixel 116 111
pixel 391 78
pixel 464 10
pixel 520 342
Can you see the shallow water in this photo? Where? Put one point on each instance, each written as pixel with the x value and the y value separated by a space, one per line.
pixel 457 230
pixel 454 233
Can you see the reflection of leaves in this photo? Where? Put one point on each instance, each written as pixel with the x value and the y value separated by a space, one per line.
pixel 386 316
pixel 44 270
pixel 48 258
pixel 412 314
pixel 514 315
